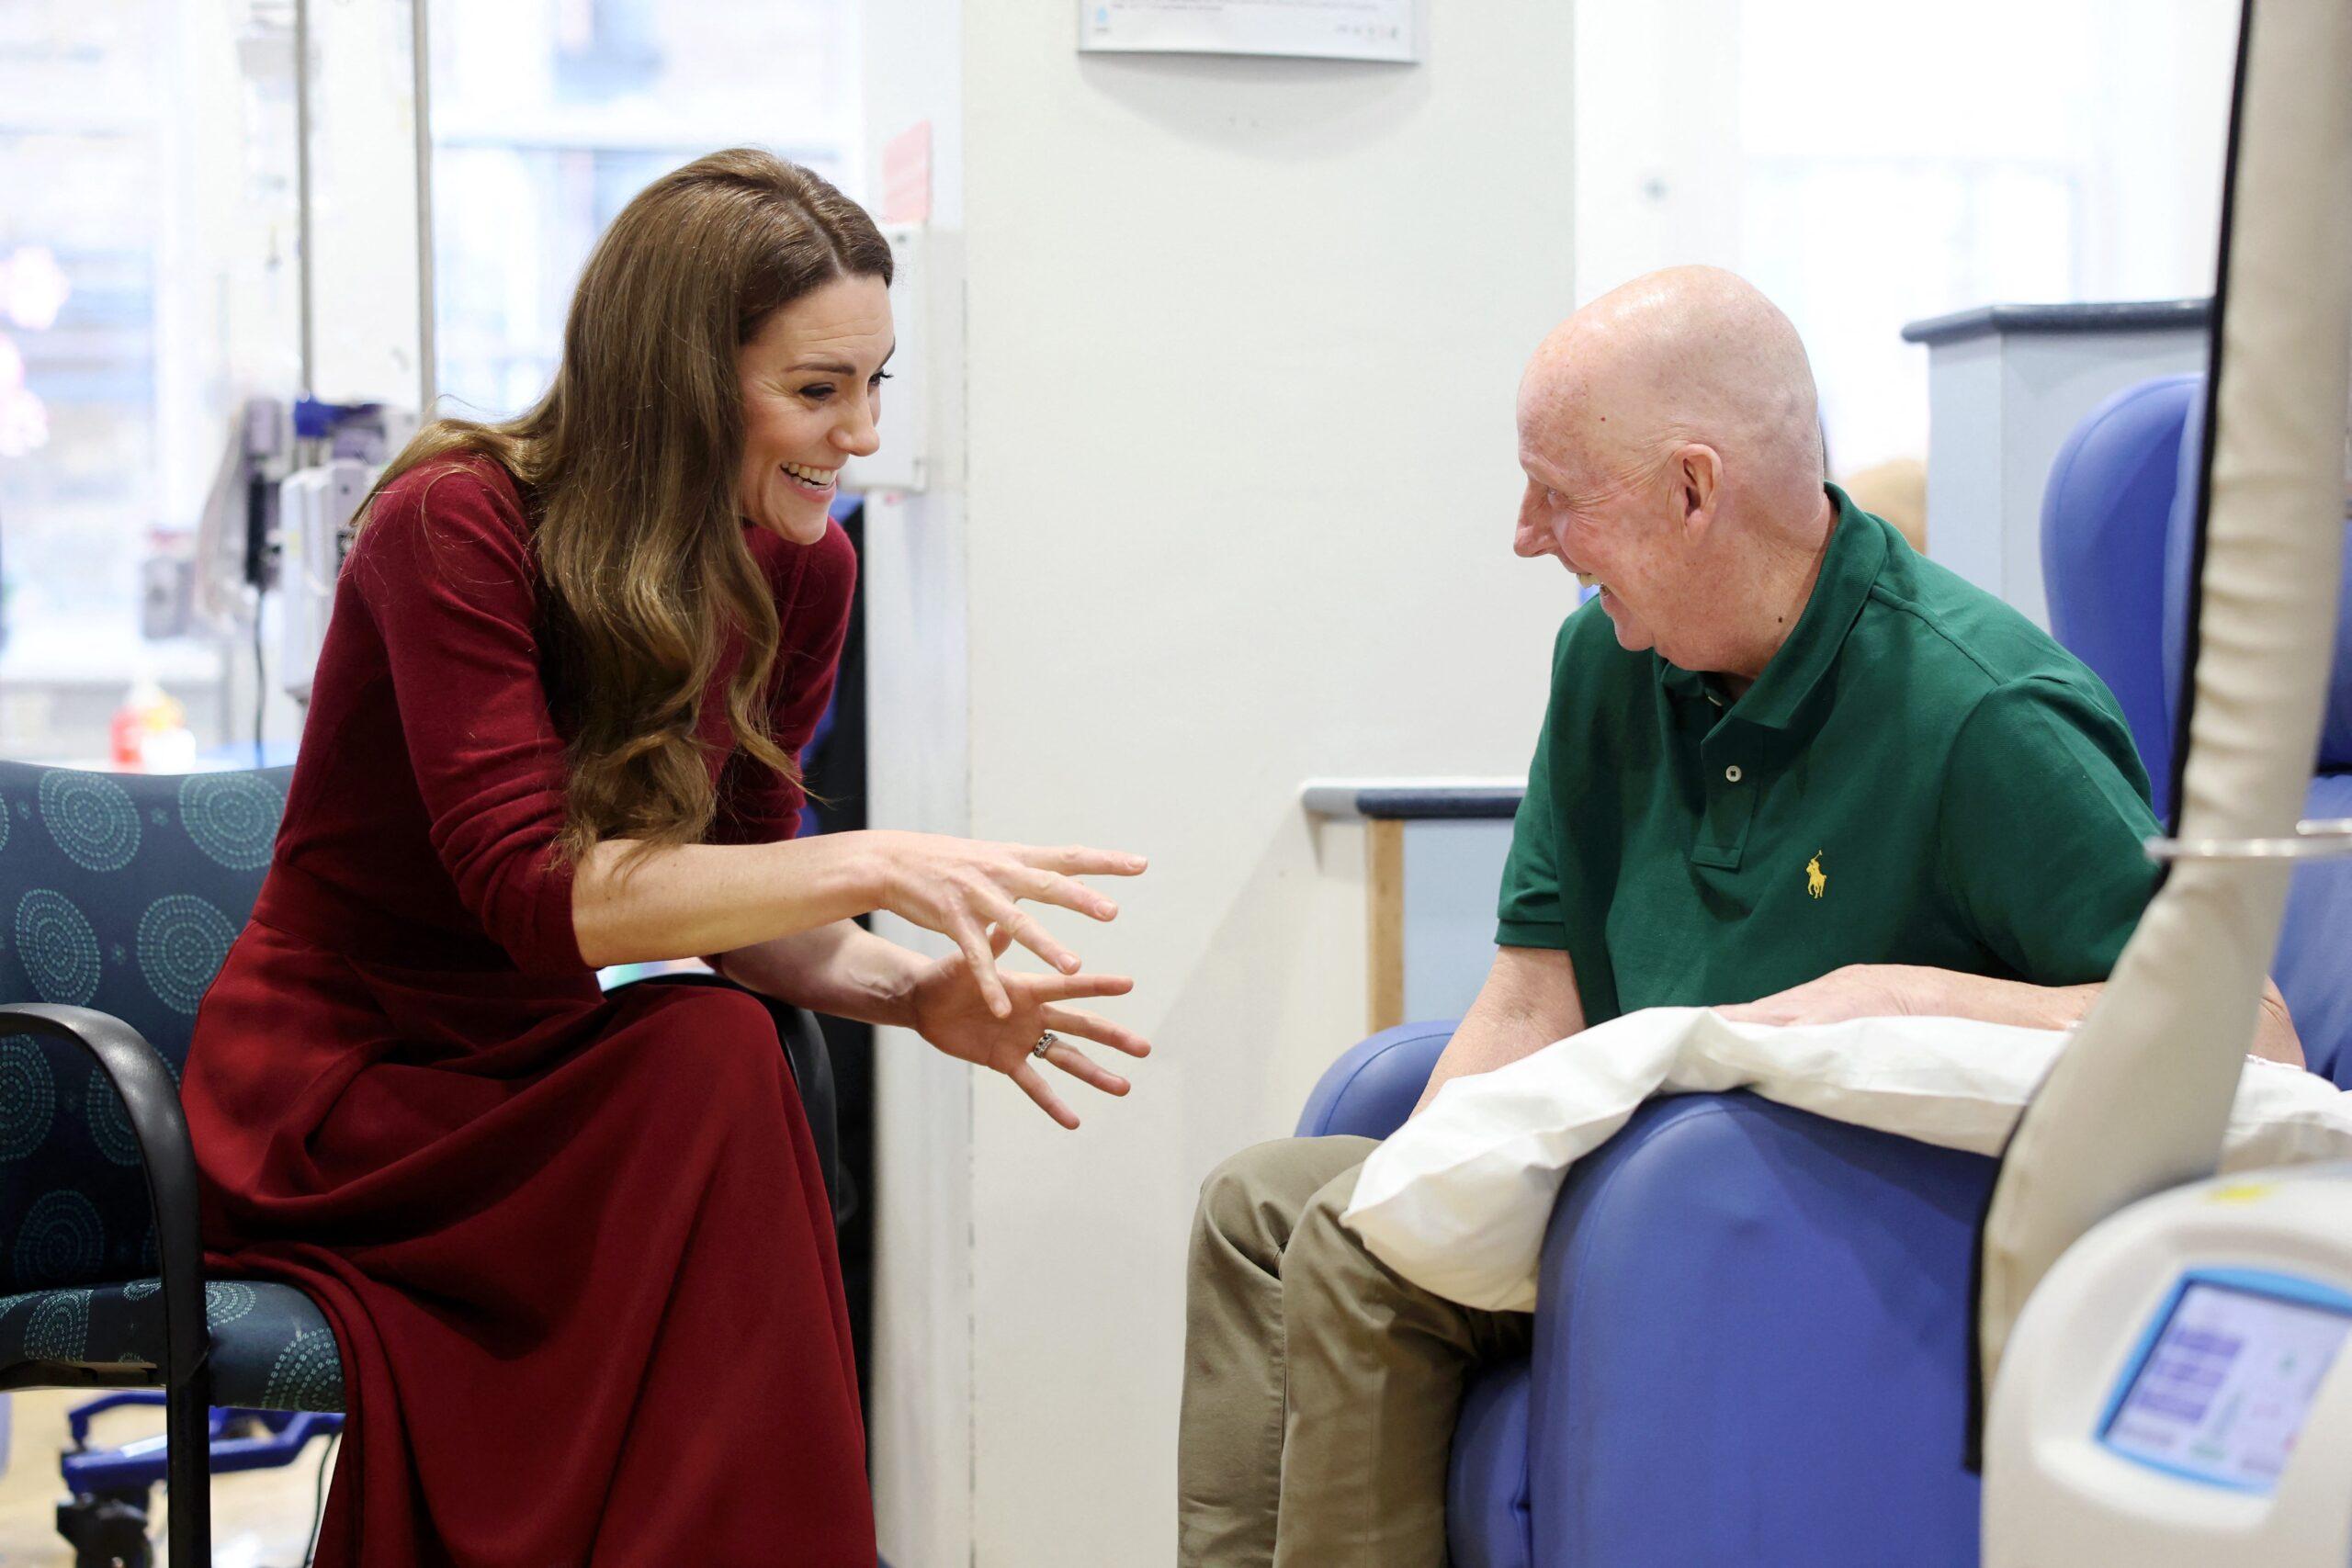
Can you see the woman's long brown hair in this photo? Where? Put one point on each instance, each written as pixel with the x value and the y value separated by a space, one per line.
pixel 630 464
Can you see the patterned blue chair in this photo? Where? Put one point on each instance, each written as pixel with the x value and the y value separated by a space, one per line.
pixel 118 898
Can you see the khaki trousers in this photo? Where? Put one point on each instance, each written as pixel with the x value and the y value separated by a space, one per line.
pixel 1321 1389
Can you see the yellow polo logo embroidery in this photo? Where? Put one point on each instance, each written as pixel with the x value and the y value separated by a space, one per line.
pixel 1816 881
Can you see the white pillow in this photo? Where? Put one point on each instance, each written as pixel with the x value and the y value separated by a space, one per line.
pixel 1458 1199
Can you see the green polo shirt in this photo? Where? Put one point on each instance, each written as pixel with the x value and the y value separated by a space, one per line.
pixel 1919 776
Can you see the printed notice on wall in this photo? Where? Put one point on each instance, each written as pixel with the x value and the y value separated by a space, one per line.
pixel 1327 29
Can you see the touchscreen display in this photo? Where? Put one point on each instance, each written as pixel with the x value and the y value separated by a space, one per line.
pixel 2226 1385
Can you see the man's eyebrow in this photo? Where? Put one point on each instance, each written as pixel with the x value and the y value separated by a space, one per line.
pixel 834 366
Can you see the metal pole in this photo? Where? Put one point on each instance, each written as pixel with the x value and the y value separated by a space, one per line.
pixel 427 367
pixel 302 181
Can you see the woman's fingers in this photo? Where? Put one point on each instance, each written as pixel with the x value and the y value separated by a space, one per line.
pixel 1066 987
pixel 1025 931
pixel 1045 887
pixel 975 945
pixel 1077 860
pixel 1084 1068
pixel 1092 1026
pixel 1032 1084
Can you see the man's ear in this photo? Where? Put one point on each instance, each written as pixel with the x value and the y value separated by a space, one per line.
pixel 1698 473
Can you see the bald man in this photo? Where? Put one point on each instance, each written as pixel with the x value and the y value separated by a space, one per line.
pixel 1790 769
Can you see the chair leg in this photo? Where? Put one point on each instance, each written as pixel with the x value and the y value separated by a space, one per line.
pixel 188 1474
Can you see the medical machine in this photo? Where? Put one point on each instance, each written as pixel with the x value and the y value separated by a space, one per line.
pixel 349 446
pixel 278 520
pixel 315 507
pixel 2176 1391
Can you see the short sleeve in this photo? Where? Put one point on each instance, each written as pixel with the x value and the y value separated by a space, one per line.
pixel 2042 826
pixel 818 585
pixel 1529 912
pixel 446 569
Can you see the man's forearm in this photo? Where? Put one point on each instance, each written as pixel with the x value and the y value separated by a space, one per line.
pixel 1529 1000
pixel 1948 993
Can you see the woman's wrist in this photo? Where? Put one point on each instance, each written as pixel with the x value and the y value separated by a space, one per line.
pixel 838 871
pixel 885 976
pixel 896 996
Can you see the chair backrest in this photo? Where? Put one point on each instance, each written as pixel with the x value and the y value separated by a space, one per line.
pixel 2104 516
pixel 118 892
pixel 2180 548
pixel 2119 547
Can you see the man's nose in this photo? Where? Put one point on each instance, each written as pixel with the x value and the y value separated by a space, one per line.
pixel 1533 537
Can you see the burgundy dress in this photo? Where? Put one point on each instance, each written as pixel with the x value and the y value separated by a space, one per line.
pixel 576 1250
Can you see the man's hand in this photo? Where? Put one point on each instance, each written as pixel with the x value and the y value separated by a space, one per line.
pixel 1918 990
pixel 1858 990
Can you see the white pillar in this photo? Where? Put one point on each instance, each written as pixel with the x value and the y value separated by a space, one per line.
pixel 1223 478
pixel 364 218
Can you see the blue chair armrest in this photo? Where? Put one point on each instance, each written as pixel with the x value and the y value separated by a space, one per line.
pixel 151 1102
pixel 1370 1090
pixel 1752 1346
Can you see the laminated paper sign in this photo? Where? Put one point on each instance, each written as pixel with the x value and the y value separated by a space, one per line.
pixel 1329 29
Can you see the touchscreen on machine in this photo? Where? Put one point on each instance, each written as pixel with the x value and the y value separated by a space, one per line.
pixel 2223 1390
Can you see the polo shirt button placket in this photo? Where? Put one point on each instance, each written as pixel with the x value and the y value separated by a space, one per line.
pixel 1721 829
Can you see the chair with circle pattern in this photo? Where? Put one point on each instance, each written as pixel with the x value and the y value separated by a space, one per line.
pixel 119 896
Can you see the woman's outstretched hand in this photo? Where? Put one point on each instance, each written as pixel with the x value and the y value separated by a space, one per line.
pixel 960 887
pixel 949 1011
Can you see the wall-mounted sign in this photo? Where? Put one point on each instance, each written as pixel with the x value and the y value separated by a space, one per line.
pixel 1328 29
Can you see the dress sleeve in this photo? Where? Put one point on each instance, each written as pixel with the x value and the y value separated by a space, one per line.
pixel 2041 831
pixel 759 806
pixel 446 569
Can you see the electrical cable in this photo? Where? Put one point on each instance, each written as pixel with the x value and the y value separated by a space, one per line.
pixel 261 678
pixel 319 1499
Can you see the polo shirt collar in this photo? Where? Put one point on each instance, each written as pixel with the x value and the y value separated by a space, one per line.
pixel 1849 568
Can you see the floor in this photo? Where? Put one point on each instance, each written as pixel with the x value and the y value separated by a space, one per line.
pixel 260 1518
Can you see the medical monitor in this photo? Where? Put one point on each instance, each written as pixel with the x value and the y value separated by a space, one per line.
pixel 2220 1390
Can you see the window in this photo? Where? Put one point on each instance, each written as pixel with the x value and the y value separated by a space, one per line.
pixel 144 245
pixel 149 276
pixel 1867 165
pixel 546 117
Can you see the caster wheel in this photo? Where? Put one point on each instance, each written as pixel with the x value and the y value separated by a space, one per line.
pixel 107 1530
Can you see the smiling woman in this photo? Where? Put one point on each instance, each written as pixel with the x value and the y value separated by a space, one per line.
pixel 702 277
pixel 573 659
pixel 810 379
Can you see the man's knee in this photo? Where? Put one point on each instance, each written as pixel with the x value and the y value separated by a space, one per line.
pixel 1321 1245
pixel 1255 1196
pixel 1335 1293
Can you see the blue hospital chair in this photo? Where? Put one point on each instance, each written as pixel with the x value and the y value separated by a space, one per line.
pixel 1752 1346
pixel 119 896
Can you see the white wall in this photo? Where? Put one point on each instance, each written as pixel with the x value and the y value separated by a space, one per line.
pixel 1658 108
pixel 920 1423
pixel 1236 490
